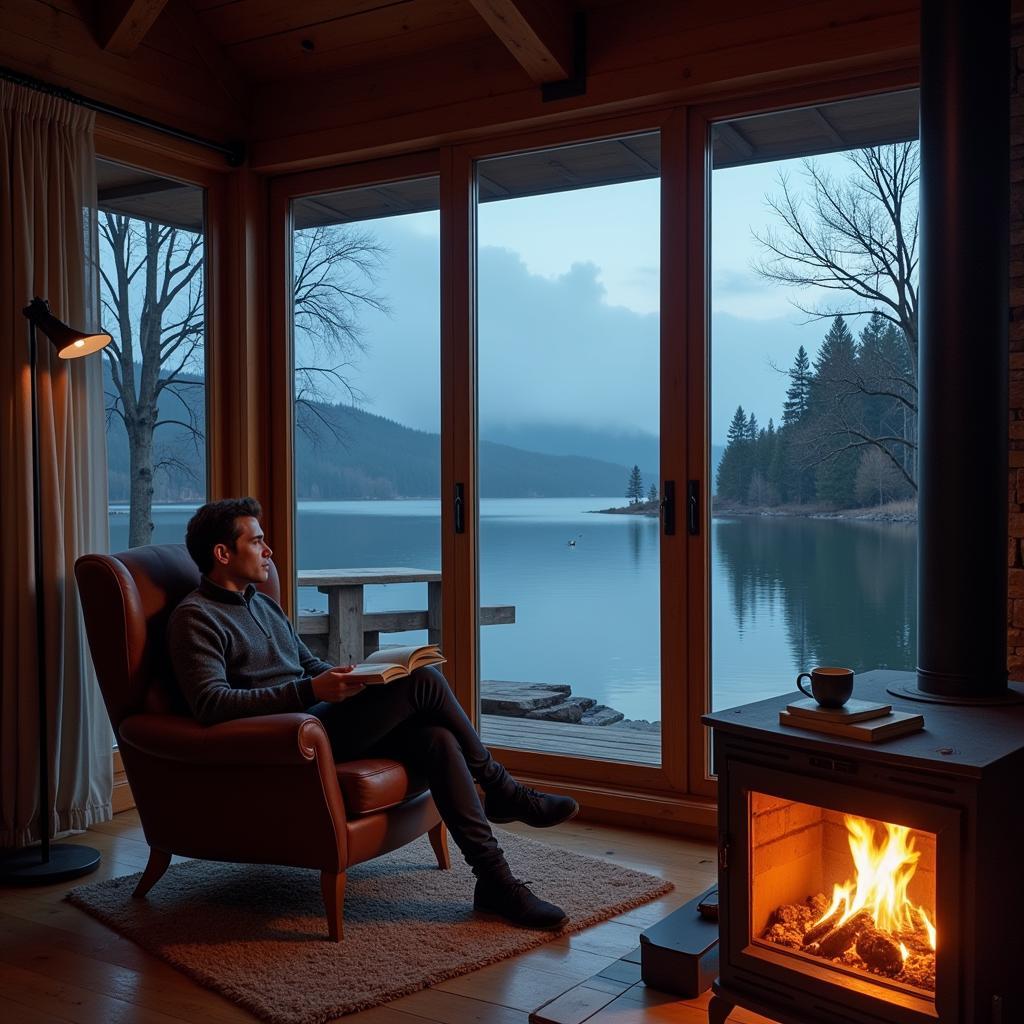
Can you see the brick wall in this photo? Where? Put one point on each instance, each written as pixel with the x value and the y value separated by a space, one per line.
pixel 1015 630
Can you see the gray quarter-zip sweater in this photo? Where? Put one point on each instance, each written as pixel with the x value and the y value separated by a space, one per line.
pixel 236 655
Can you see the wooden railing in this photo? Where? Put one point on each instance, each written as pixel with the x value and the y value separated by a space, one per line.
pixel 347 632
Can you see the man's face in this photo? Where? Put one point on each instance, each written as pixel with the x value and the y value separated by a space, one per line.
pixel 250 559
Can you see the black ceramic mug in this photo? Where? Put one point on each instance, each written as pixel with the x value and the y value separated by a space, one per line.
pixel 830 687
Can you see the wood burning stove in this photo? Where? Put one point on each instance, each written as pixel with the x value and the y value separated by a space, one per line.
pixel 840 860
pixel 842 864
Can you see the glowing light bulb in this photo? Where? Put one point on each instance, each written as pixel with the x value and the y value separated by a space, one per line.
pixel 80 344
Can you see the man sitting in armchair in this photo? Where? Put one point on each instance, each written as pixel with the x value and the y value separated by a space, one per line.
pixel 235 654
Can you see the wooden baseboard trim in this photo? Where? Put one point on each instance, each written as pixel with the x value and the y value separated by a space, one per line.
pixel 694 817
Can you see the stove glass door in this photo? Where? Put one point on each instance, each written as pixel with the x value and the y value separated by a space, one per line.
pixel 843 892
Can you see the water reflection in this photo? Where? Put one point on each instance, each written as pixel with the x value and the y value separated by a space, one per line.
pixel 844 593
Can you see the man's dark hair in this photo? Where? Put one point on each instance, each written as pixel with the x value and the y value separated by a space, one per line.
pixel 215 523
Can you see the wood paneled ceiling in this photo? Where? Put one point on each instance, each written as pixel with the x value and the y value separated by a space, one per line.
pixel 268 40
pixel 300 82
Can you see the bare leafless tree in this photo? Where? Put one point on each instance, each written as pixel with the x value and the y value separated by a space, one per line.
pixel 856 238
pixel 153 306
pixel 335 275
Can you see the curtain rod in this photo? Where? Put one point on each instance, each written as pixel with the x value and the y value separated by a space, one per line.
pixel 233 152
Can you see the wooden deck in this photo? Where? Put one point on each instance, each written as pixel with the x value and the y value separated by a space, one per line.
pixel 603 742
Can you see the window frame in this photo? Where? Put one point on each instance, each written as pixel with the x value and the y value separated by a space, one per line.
pixel 681 793
pixel 194 167
pixel 619 781
pixel 281 378
pixel 703 118
pixel 121 143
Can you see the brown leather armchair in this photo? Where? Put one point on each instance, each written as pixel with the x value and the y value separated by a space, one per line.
pixel 262 790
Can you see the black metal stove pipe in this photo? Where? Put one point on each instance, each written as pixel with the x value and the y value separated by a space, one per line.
pixel 963 358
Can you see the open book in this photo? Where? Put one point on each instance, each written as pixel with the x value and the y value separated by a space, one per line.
pixel 392 663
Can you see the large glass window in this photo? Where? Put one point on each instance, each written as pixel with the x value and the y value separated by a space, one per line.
pixel 153 303
pixel 568 266
pixel 813 393
pixel 366 322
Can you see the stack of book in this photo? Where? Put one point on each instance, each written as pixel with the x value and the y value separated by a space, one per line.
pixel 856 720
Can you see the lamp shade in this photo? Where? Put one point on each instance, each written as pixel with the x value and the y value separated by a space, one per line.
pixel 69 343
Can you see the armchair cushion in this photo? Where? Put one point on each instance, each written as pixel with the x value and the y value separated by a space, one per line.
pixel 375 784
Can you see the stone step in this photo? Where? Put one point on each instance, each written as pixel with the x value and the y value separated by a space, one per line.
pixel 507 697
pixel 601 714
pixel 571 710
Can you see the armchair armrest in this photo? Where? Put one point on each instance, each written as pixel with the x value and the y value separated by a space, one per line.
pixel 293 738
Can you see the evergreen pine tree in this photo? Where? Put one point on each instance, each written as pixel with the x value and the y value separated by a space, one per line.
pixel 731 478
pixel 798 393
pixel 752 428
pixel 635 487
pixel 884 364
pixel 737 428
pixel 832 401
pixel 777 475
pixel 833 366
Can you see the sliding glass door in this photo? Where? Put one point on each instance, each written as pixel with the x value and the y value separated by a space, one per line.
pixel 813 415
pixel 568 357
pixel 365 327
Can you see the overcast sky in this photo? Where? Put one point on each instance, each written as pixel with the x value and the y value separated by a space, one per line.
pixel 568 310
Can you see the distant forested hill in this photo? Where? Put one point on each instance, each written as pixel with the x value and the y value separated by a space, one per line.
pixel 374 457
pixel 378 458
pixel 621 448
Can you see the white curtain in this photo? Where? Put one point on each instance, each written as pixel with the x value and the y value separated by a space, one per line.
pixel 48 249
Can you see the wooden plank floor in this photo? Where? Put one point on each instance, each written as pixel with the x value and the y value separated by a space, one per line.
pixel 606 743
pixel 58 965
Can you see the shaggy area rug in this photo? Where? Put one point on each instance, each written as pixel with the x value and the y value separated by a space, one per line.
pixel 257 934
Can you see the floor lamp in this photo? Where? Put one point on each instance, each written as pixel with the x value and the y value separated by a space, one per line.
pixel 51 862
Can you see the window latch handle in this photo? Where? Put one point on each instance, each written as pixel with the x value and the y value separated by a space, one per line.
pixel 668 507
pixel 693 507
pixel 460 509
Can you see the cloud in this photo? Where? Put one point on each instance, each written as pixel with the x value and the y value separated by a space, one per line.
pixel 552 349
pixel 745 294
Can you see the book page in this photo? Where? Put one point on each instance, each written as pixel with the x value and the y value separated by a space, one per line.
pixel 405 656
pixel 381 672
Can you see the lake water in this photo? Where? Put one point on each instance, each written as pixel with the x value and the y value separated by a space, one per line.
pixel 787 593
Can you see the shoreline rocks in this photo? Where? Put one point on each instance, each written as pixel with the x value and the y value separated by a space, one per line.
pixel 552 702
pixel 852 515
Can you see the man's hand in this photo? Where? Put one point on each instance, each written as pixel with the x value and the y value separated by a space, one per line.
pixel 333 686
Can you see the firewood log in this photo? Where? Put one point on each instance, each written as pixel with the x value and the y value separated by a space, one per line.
pixel 879 952
pixel 840 939
pixel 823 928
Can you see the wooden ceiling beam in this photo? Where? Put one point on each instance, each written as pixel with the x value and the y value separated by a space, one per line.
pixel 538 33
pixel 122 24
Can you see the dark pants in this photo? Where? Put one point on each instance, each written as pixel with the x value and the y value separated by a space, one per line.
pixel 418 721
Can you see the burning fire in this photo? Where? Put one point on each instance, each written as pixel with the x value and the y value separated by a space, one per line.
pixel 884 871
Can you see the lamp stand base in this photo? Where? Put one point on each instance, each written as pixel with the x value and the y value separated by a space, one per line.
pixel 67 860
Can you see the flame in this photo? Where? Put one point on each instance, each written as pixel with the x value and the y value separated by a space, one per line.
pixel 884 871
pixel 928 926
